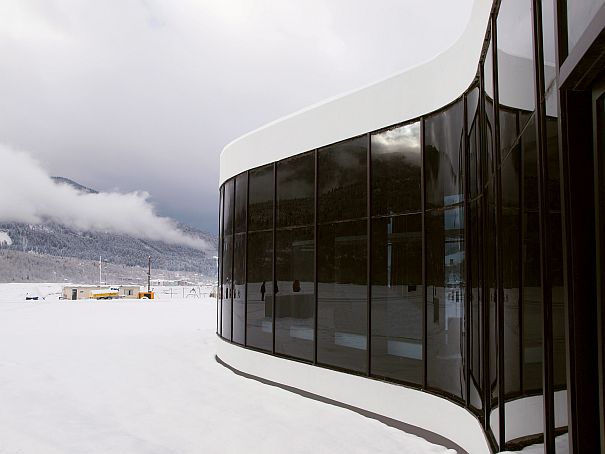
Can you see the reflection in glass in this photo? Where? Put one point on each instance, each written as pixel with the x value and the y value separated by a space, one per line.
pixel 241 200
pixel 260 198
pixel 472 101
pixel 397 298
pixel 511 235
pixel 444 142
pixel 219 292
pixel 295 292
pixel 228 207
pixel 259 291
pixel 342 295
pixel 396 167
pixel 476 313
pixel 227 285
pixel 550 65
pixel 342 180
pixel 239 287
pixel 579 15
pixel 532 302
pixel 295 204
pixel 445 300
pixel 515 55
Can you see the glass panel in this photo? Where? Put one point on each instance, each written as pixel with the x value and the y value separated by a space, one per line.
pixel 488 155
pixel 296 190
pixel 241 200
pixel 342 185
pixel 579 15
pixel 511 265
pixel 476 323
pixel 228 207
pixel 515 55
pixel 295 292
pixel 445 300
pixel 532 303
pixel 239 287
pixel 227 287
pixel 491 297
pixel 472 119
pixel 259 307
pixel 397 298
pixel 219 290
pixel 444 142
pixel 396 168
pixel 508 132
pixel 342 295
pixel 260 198
pixel 550 70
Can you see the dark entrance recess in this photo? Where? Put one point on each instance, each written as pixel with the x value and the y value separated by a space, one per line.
pixel 582 155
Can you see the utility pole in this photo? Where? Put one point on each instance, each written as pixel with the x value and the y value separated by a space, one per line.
pixel 149 274
pixel 100 280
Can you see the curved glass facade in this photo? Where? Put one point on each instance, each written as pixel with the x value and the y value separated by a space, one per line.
pixel 428 253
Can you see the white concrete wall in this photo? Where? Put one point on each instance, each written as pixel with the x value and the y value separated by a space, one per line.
pixel 407 405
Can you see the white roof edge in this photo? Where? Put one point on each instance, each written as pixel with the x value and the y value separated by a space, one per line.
pixel 406 95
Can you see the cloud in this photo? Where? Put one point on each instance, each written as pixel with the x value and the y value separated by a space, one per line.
pixel 29 195
pixel 161 86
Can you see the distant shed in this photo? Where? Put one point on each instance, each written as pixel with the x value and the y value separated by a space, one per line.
pixel 78 292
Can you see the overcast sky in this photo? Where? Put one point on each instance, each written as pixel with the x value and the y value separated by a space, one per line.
pixel 142 95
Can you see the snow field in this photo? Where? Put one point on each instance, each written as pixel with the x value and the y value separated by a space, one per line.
pixel 140 377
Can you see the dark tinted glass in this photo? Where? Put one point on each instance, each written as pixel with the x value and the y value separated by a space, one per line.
pixel 259 307
pixel 511 266
pixel 444 142
pixel 489 265
pixel 476 312
pixel 227 285
pixel 228 207
pixel 239 288
pixel 532 302
pixel 241 194
pixel 474 143
pixel 396 167
pixel 295 292
pixel 508 131
pixel 260 198
pixel 397 303
pixel 219 291
pixel 488 152
pixel 445 300
pixel 296 190
pixel 342 295
pixel 342 180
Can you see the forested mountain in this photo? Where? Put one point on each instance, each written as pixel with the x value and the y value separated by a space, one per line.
pixel 57 240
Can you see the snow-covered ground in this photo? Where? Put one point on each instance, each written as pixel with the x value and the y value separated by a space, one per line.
pixel 136 376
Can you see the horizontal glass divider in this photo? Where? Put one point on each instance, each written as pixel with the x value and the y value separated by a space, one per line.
pixel 407 213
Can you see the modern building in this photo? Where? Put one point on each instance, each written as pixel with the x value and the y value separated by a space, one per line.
pixel 430 249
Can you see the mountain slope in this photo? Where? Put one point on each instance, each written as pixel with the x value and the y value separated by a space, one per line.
pixel 61 241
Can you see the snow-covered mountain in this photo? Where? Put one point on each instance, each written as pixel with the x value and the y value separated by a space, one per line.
pixel 57 240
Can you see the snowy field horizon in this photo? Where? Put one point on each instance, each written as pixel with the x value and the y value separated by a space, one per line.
pixel 140 376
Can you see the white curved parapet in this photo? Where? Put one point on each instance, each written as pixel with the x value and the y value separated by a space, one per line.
pixel 410 406
pixel 407 95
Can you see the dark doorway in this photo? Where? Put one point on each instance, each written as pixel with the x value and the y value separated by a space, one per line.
pixel 598 113
pixel 74 294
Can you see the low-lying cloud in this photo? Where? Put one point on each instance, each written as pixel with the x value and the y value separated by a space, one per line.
pixel 29 195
